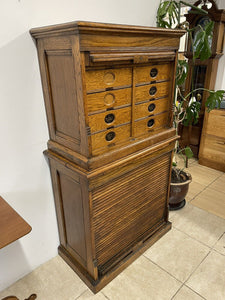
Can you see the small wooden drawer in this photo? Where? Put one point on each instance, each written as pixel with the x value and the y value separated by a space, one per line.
pixel 110 137
pixel 102 79
pixel 153 73
pixel 109 118
pixel 104 100
pixel 150 124
pixel 152 91
pixel 151 108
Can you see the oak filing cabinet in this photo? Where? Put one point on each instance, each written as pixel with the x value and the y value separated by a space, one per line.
pixel 108 93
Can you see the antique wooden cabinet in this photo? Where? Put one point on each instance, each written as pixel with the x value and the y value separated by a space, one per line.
pixel 108 93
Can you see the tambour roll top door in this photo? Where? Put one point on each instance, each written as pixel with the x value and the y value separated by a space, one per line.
pixel 125 209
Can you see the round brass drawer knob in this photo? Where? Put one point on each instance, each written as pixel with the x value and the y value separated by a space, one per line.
pixel 151 107
pixel 109 78
pixel 109 118
pixel 153 90
pixel 109 99
pixel 151 122
pixel 110 136
pixel 154 72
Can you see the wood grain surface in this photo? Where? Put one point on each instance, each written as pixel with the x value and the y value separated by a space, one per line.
pixel 12 225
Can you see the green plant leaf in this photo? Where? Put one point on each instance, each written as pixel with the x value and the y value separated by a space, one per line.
pixel 209 28
pixel 168 14
pixel 206 51
pixel 181 73
pixel 198 43
pixel 188 152
pixel 202 42
pixel 192 113
pixel 214 99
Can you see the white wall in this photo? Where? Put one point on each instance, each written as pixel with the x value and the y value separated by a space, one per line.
pixel 24 173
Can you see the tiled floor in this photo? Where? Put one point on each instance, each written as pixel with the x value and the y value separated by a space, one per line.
pixel 188 263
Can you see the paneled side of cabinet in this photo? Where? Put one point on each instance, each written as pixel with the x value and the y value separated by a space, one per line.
pixel 60 66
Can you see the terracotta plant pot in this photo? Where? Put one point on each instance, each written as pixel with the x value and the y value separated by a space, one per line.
pixel 178 192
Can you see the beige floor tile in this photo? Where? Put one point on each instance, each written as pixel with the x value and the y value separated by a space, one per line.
pixel 219 184
pixel 220 245
pixel 209 278
pixel 211 201
pixel 199 224
pixel 187 294
pixel 89 295
pixel 202 174
pixel 53 280
pixel 192 161
pixel 177 253
pixel 194 189
pixel 142 280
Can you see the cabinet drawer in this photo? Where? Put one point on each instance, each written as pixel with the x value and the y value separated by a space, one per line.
pixel 104 100
pixel 109 118
pixel 110 137
pixel 150 124
pixel 153 73
pixel 102 79
pixel 151 108
pixel 152 91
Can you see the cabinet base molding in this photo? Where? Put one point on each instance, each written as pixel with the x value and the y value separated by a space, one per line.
pixel 212 164
pixel 127 259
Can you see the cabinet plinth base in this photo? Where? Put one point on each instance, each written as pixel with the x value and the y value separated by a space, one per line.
pixel 97 285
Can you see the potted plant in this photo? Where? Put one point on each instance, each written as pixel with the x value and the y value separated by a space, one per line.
pixel 186 105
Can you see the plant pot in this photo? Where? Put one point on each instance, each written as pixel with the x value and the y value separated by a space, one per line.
pixel 178 192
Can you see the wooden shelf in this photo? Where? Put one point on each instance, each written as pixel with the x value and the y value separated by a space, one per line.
pixel 12 225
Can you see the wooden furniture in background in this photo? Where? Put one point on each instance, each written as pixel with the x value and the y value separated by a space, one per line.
pixel 12 225
pixel 202 74
pixel 212 147
pixel 108 93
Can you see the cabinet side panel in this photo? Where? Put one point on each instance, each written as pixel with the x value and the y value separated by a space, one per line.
pixel 63 92
pixel 73 213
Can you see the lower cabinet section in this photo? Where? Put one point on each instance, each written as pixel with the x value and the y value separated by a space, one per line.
pixel 109 216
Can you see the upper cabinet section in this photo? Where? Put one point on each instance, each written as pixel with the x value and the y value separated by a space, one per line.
pixel 106 87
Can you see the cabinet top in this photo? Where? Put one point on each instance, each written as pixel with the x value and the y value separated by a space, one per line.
pixel 80 27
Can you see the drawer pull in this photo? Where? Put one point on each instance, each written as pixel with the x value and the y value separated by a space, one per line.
pixel 151 122
pixel 154 72
pixel 109 98
pixel 153 90
pixel 109 118
pixel 109 78
pixel 110 136
pixel 151 107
